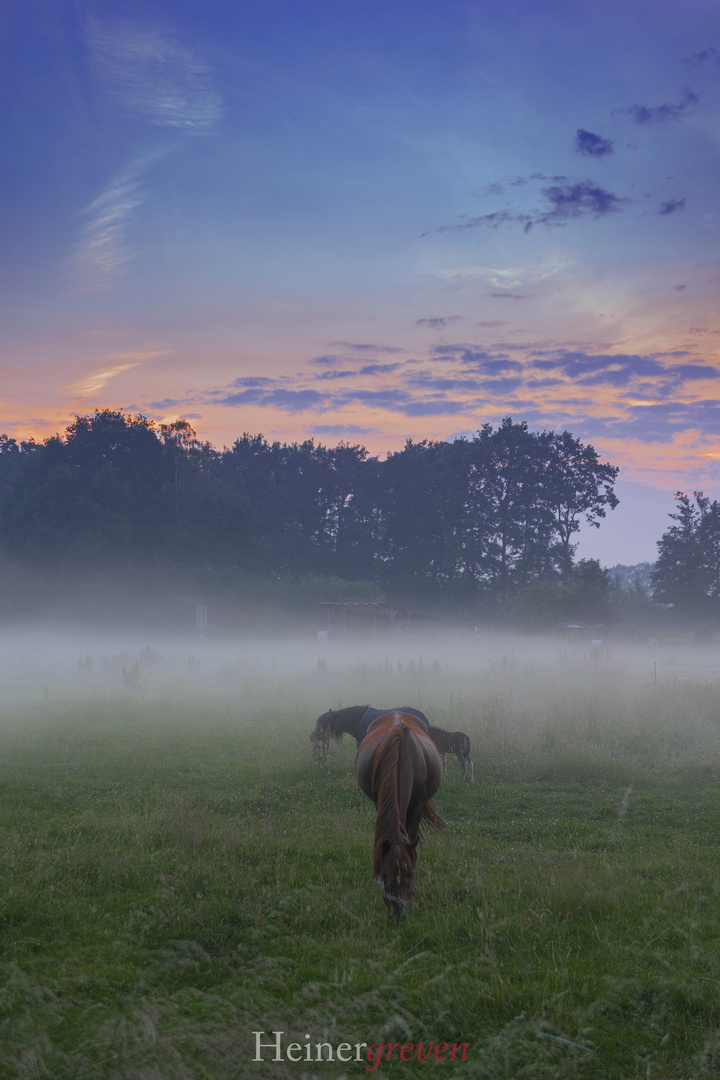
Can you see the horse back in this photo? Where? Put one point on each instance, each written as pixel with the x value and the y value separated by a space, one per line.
pixel 398 741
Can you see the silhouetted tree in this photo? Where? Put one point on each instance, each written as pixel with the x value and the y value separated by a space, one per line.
pixel 687 571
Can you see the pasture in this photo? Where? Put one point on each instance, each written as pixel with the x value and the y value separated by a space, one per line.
pixel 177 873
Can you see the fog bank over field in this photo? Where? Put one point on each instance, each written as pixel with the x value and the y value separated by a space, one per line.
pixel 522 700
pixel 176 861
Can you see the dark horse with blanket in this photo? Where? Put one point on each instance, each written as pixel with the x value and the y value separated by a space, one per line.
pixel 356 719
pixel 398 766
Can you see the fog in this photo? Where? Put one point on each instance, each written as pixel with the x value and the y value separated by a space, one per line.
pixel 519 698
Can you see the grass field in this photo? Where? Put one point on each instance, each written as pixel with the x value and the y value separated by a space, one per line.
pixel 177 873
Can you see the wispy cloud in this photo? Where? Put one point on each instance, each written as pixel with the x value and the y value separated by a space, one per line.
pixel 671 207
pixel 564 202
pixel 98 379
pixel 362 347
pixel 104 248
pixel 438 322
pixel 506 278
pixel 659 114
pixel 148 72
pixel 699 58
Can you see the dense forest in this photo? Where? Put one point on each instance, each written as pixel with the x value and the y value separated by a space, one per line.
pixel 479 525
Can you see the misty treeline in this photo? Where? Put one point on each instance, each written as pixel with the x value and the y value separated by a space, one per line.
pixel 461 524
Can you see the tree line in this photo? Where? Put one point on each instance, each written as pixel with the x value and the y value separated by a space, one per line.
pixel 463 523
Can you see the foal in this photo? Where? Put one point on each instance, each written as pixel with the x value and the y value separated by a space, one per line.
pixel 453 742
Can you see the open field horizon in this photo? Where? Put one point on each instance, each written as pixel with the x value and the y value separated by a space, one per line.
pixel 177 873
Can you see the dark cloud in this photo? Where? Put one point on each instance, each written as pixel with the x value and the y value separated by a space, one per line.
pixel 378 369
pixel 363 347
pixel 591 145
pixel 335 374
pixel 477 379
pixel 434 408
pixel 442 383
pixel 292 401
pixel 252 381
pixel 508 296
pixel 338 429
pixel 693 371
pixel 494 323
pixel 680 288
pixel 659 114
pixel 488 364
pixel 564 201
pixel 501 385
pixel 387 398
pixel 366 369
pixel 542 384
pixel 578 200
pixel 437 322
pixel 658 423
pixel 520 181
pixel 325 359
pixel 581 366
pixel 624 371
pixel 699 58
pixel 671 207
pixel 402 401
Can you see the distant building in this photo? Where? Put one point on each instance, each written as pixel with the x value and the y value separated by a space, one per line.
pixel 353 617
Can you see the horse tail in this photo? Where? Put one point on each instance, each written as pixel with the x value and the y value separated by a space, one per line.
pixel 430 817
pixel 393 853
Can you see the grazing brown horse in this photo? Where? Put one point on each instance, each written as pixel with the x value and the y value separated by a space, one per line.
pixel 399 768
pixel 453 742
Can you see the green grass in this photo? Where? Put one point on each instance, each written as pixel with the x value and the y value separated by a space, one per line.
pixel 176 873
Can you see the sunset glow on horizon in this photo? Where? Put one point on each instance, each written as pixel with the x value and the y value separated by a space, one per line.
pixel 369 222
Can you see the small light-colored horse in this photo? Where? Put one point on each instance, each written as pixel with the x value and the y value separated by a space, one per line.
pixel 399 767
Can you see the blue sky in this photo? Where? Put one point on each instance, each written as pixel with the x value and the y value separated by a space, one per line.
pixel 369 222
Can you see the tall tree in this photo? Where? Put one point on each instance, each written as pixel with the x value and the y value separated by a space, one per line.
pixel 687 571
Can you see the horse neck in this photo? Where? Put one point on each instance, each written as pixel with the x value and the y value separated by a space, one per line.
pixel 347 721
pixel 442 739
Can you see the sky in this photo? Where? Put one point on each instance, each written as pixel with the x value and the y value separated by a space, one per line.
pixel 371 221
